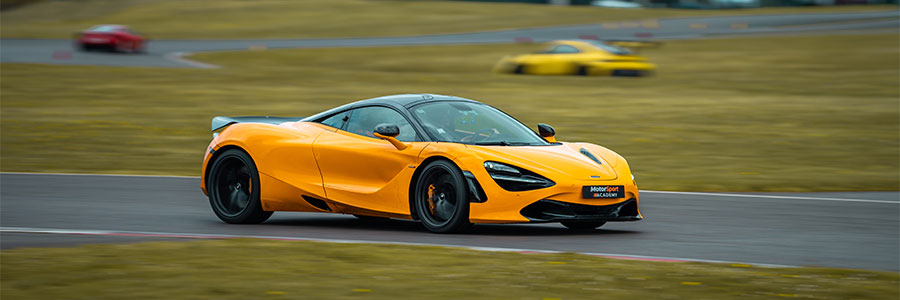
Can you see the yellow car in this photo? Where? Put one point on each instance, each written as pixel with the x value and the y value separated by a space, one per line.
pixel 578 57
pixel 445 161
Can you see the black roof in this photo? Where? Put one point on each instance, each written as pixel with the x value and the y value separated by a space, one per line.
pixel 408 100
pixel 401 102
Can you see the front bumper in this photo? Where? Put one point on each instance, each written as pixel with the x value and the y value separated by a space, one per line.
pixel 560 202
pixel 554 211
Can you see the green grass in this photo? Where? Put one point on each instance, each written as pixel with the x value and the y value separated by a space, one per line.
pixel 324 18
pixel 812 113
pixel 259 269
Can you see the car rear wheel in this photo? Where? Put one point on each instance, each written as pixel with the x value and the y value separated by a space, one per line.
pixel 583 70
pixel 233 186
pixel 440 198
pixel 576 225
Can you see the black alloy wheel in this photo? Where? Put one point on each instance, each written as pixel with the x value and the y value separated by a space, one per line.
pixel 582 225
pixel 232 184
pixel 440 198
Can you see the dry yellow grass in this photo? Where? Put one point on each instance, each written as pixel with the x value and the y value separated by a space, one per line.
pixel 235 269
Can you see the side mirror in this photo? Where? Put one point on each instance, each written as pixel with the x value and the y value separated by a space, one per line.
pixel 547 132
pixel 389 132
pixel 386 129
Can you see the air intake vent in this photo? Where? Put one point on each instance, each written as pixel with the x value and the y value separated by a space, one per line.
pixel 590 155
pixel 318 203
pixel 551 210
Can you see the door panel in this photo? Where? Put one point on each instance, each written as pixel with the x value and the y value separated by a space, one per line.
pixel 365 172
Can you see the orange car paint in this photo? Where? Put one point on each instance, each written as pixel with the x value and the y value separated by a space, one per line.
pixel 297 159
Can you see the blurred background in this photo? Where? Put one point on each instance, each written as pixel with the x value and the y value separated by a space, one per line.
pixel 742 103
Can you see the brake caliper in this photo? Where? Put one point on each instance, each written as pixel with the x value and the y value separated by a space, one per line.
pixel 431 198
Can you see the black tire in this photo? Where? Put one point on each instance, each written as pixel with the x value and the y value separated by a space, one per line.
pixel 446 209
pixel 582 71
pixel 588 225
pixel 232 186
pixel 520 69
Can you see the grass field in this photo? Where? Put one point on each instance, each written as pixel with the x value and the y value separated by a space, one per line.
pixel 233 269
pixel 814 113
pixel 325 18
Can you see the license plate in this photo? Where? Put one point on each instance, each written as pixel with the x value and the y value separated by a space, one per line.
pixel 603 191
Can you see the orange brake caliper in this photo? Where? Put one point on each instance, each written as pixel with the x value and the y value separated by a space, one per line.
pixel 431 198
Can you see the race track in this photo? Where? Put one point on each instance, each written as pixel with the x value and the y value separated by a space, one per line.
pixel 824 230
pixel 166 53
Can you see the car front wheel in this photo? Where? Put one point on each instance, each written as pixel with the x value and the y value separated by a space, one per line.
pixel 440 198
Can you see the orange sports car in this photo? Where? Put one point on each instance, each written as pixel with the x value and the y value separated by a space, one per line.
pixel 445 161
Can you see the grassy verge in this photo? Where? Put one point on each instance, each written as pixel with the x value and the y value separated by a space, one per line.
pixel 323 18
pixel 814 113
pixel 234 269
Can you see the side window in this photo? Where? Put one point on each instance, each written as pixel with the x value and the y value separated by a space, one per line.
pixel 337 120
pixel 563 49
pixel 363 122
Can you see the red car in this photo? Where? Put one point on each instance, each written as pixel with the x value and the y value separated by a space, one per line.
pixel 116 38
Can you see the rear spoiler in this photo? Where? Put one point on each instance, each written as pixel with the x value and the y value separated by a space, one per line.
pixel 221 122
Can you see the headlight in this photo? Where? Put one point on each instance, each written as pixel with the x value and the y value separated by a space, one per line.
pixel 515 179
pixel 495 167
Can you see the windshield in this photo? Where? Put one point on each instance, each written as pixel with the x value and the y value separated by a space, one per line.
pixel 473 123
pixel 104 28
pixel 610 48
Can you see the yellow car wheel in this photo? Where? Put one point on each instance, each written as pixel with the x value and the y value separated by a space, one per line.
pixel 520 69
pixel 582 71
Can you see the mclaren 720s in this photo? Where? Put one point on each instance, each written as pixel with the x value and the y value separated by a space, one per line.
pixel 445 161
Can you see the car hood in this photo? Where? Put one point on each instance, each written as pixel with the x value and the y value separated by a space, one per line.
pixel 554 161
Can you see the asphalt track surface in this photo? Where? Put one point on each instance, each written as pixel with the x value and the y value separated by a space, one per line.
pixel 166 53
pixel 818 229
pixel 852 230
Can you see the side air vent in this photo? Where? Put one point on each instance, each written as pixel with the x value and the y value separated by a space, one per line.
pixel 318 203
pixel 476 193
